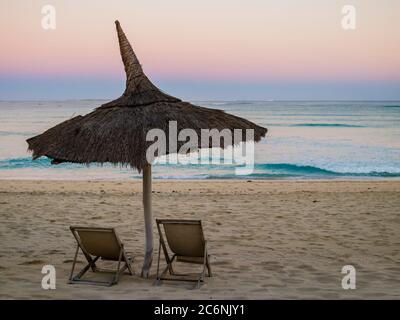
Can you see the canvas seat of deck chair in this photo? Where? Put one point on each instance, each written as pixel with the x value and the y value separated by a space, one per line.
pixel 185 240
pixel 99 243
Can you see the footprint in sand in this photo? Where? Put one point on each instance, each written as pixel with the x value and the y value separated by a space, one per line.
pixel 31 262
pixel 54 251
pixel 71 260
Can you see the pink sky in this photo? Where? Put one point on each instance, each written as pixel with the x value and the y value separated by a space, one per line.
pixel 252 41
pixel 259 40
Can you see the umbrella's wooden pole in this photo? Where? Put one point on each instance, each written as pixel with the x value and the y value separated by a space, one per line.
pixel 148 221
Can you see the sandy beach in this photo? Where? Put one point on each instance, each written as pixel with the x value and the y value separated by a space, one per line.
pixel 268 239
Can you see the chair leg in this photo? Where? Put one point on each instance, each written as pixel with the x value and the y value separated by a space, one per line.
pixel 199 280
pixel 198 284
pixel 167 268
pixel 203 272
pixel 209 266
pixel 81 273
pixel 116 277
pixel 128 262
pixel 158 280
pixel 74 262
pixel 167 259
pixel 170 269
pixel 91 264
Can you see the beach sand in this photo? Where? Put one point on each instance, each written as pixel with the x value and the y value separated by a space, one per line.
pixel 268 239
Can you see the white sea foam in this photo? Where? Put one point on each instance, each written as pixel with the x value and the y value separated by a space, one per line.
pixel 305 140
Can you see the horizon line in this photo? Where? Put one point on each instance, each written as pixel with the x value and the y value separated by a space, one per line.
pixel 215 100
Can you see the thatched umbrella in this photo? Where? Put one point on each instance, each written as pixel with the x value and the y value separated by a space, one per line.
pixel 116 131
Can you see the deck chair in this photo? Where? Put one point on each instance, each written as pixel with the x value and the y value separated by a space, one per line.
pixel 186 241
pixel 96 243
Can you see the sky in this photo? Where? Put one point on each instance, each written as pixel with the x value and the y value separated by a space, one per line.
pixel 203 50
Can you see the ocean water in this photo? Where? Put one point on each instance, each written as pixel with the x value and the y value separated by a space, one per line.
pixel 306 140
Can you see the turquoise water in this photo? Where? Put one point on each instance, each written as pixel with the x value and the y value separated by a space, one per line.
pixel 306 140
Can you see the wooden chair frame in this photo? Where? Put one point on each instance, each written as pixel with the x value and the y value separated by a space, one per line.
pixel 163 246
pixel 123 257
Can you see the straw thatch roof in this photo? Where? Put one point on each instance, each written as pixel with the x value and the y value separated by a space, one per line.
pixel 116 131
